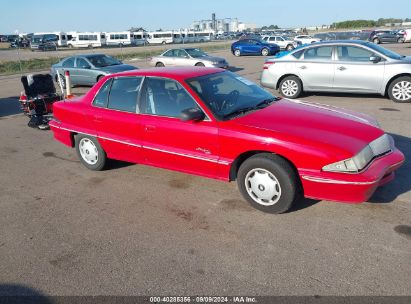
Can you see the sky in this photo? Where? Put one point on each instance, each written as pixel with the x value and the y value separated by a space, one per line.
pixel 116 15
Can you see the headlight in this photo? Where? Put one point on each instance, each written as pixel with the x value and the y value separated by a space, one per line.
pixel 378 147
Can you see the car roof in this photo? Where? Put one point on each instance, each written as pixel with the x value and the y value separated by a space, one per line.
pixel 171 72
pixel 340 42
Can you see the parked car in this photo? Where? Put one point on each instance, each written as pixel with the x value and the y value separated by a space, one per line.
pixel 46 42
pixel 188 57
pixel 340 66
pixel 214 123
pixel 306 39
pixel 253 47
pixel 386 36
pixel 283 42
pixel 325 36
pixel 87 69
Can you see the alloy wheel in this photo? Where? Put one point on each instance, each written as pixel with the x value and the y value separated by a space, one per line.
pixel 289 87
pixel 402 90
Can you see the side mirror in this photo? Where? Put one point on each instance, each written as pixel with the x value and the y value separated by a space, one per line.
pixel 375 59
pixel 192 114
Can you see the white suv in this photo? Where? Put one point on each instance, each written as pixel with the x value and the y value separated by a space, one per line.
pixel 283 42
pixel 306 39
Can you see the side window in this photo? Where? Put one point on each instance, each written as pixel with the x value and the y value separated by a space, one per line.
pixel 298 54
pixel 102 96
pixel 319 53
pixel 164 97
pixel 82 63
pixel 123 94
pixel 351 53
pixel 69 63
pixel 272 38
pixel 168 53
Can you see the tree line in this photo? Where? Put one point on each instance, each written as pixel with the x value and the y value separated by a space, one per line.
pixel 368 23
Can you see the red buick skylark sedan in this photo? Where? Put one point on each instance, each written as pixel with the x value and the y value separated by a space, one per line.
pixel 217 124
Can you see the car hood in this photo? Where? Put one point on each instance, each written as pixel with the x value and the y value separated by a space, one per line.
pixel 314 123
pixel 117 68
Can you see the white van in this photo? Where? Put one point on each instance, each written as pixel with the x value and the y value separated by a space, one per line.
pixel 87 39
pixel 140 38
pixel 119 38
pixel 204 36
pixel 61 37
pixel 160 37
pixel 188 36
pixel 177 37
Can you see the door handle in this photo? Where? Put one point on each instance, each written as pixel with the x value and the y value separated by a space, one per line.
pixel 341 68
pixel 150 128
pixel 303 67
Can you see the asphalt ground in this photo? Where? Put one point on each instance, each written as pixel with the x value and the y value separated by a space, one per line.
pixel 138 230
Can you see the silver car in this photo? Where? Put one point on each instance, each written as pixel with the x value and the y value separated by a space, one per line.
pixel 340 66
pixel 188 57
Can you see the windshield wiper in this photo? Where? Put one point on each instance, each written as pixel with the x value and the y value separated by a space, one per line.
pixel 258 106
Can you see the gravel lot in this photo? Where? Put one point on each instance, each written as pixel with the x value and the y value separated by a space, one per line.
pixel 137 230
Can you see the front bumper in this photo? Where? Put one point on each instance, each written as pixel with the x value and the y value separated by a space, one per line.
pixel 351 188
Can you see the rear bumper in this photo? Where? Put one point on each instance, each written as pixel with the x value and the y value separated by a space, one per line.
pixel 268 80
pixel 351 188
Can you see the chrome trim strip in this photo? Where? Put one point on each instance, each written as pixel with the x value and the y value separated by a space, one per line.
pixel 222 162
pixel 334 181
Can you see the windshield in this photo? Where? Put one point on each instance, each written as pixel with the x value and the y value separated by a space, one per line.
pixel 384 51
pixel 229 95
pixel 36 39
pixel 101 61
pixel 196 53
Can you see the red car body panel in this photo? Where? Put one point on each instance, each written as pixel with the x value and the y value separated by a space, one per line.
pixel 309 136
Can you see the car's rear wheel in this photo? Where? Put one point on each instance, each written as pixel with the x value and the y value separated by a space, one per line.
pixel 401 40
pixel 400 90
pixel 90 153
pixel 200 64
pixel 269 183
pixel 376 41
pixel 289 47
pixel 291 87
pixel 237 53
pixel 264 52
pixel 159 64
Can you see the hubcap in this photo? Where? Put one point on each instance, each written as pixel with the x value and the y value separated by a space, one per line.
pixel 265 52
pixel 263 187
pixel 402 90
pixel 289 87
pixel 88 151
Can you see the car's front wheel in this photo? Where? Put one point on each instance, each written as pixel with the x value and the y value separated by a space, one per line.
pixel 264 52
pixel 269 183
pixel 376 41
pixel 90 153
pixel 400 90
pixel 237 53
pixel 291 87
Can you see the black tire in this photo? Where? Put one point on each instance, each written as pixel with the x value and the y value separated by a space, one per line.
pixel 401 40
pixel 289 47
pixel 237 53
pixel 200 64
pixel 265 52
pixel 396 85
pixel 99 77
pixel 101 158
pixel 287 86
pixel 288 182
pixel 159 64
pixel 163 43
pixel 376 41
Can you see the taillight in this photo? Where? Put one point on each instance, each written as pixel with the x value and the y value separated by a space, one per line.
pixel 267 65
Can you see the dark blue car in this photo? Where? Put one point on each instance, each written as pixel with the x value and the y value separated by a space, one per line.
pixel 253 47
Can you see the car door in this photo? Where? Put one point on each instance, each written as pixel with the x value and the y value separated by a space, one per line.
pixel 68 65
pixel 168 141
pixel 355 72
pixel 115 119
pixel 182 59
pixel 316 68
pixel 83 72
pixel 280 42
